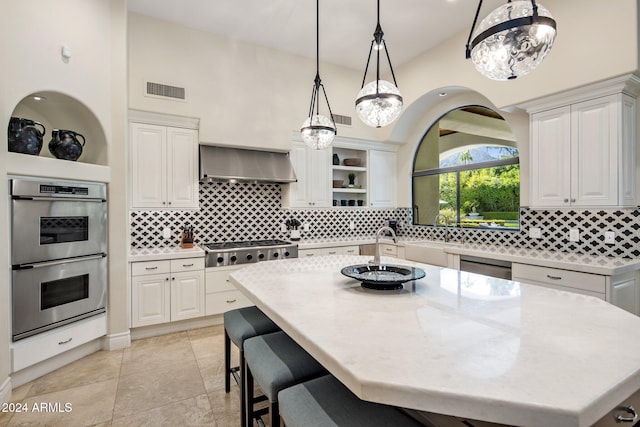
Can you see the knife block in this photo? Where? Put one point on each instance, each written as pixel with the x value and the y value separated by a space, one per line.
pixel 185 243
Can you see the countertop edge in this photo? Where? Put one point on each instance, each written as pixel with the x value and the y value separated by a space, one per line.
pixel 628 266
pixel 156 254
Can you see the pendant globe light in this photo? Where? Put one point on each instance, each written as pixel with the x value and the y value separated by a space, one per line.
pixel 379 102
pixel 512 40
pixel 318 131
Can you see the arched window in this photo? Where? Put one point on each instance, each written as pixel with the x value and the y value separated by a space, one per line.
pixel 467 168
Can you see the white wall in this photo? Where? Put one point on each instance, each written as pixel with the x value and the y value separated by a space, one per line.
pixel 244 95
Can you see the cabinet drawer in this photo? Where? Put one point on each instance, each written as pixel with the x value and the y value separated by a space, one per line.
pixel 305 253
pixel 610 420
pixel 32 350
pixel 389 250
pixel 554 276
pixel 332 251
pixel 221 302
pixel 218 282
pixel 187 264
pixel 351 250
pixel 150 267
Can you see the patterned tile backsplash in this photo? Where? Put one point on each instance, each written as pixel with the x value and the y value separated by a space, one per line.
pixel 243 211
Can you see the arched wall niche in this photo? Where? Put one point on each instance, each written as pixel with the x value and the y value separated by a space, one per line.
pixel 420 115
pixel 56 110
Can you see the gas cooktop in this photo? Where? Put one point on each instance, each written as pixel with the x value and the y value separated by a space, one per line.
pixel 244 252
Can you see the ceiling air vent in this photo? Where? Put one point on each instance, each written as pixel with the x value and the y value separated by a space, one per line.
pixel 160 90
pixel 342 120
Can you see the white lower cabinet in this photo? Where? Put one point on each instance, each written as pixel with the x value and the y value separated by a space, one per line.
pixel 167 290
pixel 621 290
pixel 221 295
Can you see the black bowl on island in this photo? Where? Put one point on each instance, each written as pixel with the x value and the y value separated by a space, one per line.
pixel 383 276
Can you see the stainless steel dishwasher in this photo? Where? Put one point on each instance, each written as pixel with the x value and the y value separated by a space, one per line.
pixel 487 266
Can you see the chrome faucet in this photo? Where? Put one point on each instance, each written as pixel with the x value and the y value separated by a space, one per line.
pixel 376 257
pixel 446 225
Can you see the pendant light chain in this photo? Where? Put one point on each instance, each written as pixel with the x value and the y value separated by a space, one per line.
pixel 379 102
pixel 318 131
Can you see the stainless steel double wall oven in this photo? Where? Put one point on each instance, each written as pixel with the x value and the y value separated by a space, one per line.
pixel 58 253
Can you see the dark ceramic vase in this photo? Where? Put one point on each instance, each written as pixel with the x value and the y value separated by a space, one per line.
pixel 64 144
pixel 24 136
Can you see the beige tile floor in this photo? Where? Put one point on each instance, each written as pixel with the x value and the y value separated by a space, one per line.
pixel 169 380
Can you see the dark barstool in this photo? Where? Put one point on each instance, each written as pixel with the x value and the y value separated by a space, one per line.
pixel 240 325
pixel 275 362
pixel 325 401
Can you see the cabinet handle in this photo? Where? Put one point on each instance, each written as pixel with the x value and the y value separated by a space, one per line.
pixel 231 301
pixel 332 253
pixel 630 410
pixel 166 279
pixel 164 203
pixel 65 342
pixel 308 254
pixel 566 200
pixel 169 202
pixel 573 200
pixel 173 278
pixel 554 277
pixel 187 265
pixel 151 268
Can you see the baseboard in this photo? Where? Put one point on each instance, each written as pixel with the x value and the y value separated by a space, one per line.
pixel 5 391
pixel 39 369
pixel 117 341
pixel 173 327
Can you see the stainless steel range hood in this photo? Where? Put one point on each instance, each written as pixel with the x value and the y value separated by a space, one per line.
pixel 226 164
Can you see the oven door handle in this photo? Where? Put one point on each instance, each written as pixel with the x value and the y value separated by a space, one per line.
pixel 58 199
pixel 57 262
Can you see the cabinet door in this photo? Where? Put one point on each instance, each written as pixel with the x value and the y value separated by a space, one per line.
pixel 594 155
pixel 382 181
pixel 313 170
pixel 148 160
pixel 150 302
pixel 551 158
pixel 187 295
pixel 299 192
pixel 182 168
pixel 625 292
pixel 321 191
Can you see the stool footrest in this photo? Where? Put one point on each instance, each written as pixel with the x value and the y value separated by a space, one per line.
pixel 234 372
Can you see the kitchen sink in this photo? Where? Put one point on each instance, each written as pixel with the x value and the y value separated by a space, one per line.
pixel 429 252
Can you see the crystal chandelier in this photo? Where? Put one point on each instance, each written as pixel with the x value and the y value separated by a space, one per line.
pixel 512 40
pixel 379 102
pixel 318 131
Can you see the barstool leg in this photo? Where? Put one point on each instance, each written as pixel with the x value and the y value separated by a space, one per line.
pixel 227 362
pixel 243 389
pixel 247 410
pixel 274 414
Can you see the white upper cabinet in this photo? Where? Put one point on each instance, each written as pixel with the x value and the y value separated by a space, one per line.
pixel 583 153
pixel 163 166
pixel 313 171
pixel 351 173
pixel 382 179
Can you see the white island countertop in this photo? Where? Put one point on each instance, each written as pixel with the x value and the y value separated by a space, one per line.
pixel 456 343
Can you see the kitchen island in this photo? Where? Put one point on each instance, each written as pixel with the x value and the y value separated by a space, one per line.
pixel 456 343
